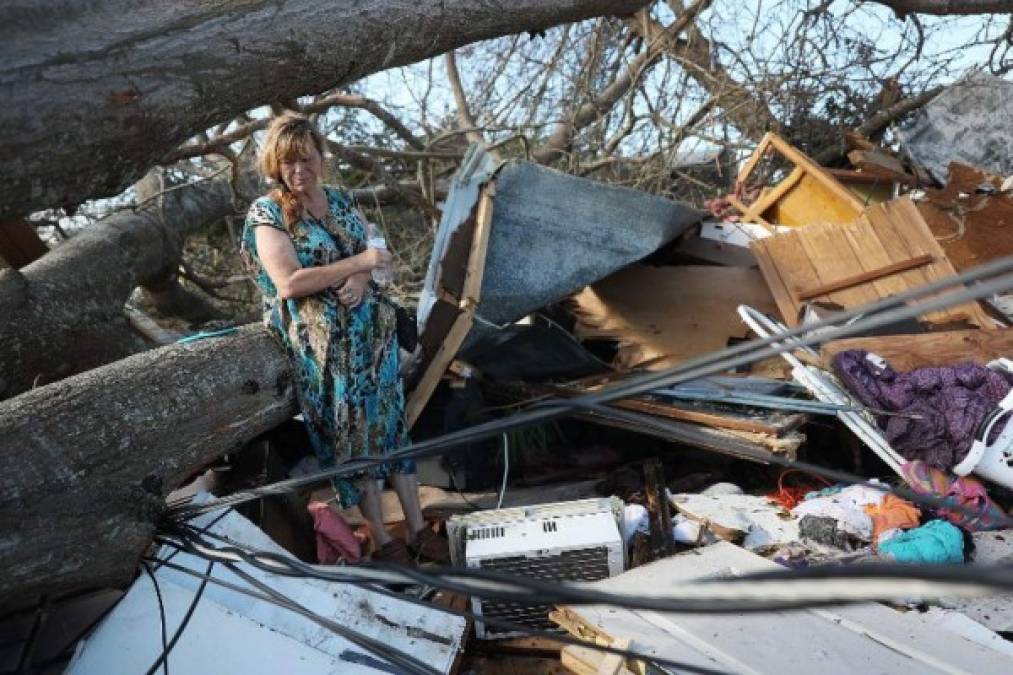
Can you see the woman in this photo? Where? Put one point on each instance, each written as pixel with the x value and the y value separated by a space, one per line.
pixel 305 245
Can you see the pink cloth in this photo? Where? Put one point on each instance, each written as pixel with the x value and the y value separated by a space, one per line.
pixel 335 539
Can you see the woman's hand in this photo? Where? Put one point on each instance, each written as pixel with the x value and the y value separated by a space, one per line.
pixel 375 257
pixel 351 292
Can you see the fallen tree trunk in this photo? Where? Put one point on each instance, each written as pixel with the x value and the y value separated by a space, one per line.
pixel 96 93
pixel 63 314
pixel 85 463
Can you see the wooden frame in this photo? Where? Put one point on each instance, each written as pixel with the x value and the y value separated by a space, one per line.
pixel 470 296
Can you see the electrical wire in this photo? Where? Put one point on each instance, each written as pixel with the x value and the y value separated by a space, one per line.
pixel 163 659
pixel 768 591
pixel 506 470
pixel 498 623
pixel 161 615
pixel 883 312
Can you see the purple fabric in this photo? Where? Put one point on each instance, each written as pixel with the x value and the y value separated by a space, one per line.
pixel 951 401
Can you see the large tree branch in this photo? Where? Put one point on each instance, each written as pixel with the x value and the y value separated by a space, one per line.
pixel 465 119
pixel 85 463
pixel 88 109
pixel 946 7
pixel 64 313
pixel 880 121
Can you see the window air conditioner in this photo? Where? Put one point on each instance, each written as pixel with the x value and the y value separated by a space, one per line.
pixel 567 541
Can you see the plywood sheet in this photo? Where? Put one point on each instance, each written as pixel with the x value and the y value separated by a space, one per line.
pixel 666 315
pixel 887 234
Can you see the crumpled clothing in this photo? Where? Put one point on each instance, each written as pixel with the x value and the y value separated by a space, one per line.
pixel 892 513
pixel 950 401
pixel 937 542
pixel 335 539
pixel 978 512
pixel 824 531
pixel 847 507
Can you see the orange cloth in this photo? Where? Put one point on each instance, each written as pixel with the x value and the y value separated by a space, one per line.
pixel 892 513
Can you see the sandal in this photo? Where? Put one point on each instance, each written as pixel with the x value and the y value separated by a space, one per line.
pixel 394 551
pixel 430 546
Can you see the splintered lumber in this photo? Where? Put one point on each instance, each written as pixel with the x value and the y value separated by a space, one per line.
pixel 85 463
pixel 888 245
pixel 808 194
pixel 943 348
pixel 662 316
pixel 834 641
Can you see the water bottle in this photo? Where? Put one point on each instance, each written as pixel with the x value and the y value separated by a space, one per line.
pixel 374 239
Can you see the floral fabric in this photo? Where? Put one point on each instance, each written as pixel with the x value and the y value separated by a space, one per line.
pixel 344 360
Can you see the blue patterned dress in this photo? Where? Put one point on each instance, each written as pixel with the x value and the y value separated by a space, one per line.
pixel 345 360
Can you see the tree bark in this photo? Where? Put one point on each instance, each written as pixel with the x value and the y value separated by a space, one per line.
pixel 64 313
pixel 946 7
pixel 95 93
pixel 80 492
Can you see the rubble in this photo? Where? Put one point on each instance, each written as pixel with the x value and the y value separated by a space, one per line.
pixel 545 289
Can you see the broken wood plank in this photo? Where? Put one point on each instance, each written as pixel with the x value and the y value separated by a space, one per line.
pixel 944 348
pixel 863 277
pixel 661 537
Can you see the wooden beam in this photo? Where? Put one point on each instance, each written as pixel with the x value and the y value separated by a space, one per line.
pixel 470 297
pixel 863 277
pixel 907 352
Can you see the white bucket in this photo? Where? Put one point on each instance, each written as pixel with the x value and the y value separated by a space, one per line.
pixel 992 462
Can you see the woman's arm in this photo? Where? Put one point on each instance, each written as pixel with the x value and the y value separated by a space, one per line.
pixel 292 280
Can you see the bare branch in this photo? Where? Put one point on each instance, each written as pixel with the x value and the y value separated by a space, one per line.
pixel 562 136
pixel 464 117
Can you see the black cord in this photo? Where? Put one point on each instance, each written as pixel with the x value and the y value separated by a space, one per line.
pixel 883 312
pixel 161 615
pixel 500 623
pixel 535 591
pixel 164 658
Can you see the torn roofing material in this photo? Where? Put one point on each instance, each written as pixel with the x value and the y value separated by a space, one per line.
pixel 968 122
pixel 551 235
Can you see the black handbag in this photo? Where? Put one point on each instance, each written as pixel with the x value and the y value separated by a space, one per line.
pixel 405 324
pixel 406 327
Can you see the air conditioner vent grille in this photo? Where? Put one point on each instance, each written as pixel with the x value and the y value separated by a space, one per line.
pixel 589 564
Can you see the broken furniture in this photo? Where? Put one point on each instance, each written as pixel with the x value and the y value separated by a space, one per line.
pixel 865 637
pixel 807 195
pixel 887 250
pixel 517 236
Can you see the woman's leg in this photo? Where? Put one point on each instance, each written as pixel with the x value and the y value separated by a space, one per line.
pixel 369 505
pixel 406 485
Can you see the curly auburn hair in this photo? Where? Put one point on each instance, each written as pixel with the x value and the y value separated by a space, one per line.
pixel 289 137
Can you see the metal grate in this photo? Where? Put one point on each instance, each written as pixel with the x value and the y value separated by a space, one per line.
pixel 589 564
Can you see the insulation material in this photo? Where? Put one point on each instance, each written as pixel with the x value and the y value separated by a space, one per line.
pixel 662 316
